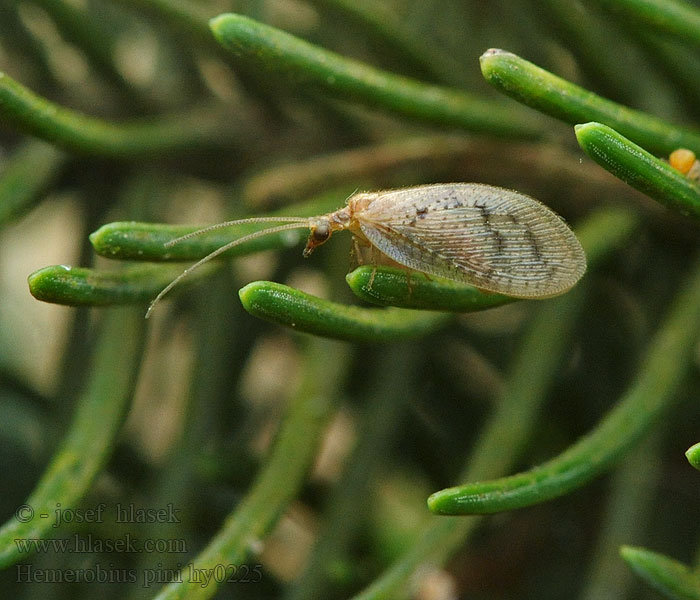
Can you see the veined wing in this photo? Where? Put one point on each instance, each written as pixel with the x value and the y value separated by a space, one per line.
pixel 493 238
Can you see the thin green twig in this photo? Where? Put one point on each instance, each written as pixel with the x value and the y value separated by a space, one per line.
pixel 80 133
pixel 507 431
pixel 394 287
pixel 87 445
pixel 638 168
pixel 316 68
pixel 75 286
pixel 573 104
pixel 671 578
pixel 293 308
pixel 278 482
pixel 651 394
pixel 693 455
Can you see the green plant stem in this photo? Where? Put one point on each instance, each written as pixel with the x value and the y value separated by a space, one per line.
pixel 82 134
pixel 394 287
pixel 281 477
pixel 693 455
pixel 572 104
pixel 130 240
pixel 382 415
pixel 638 168
pixel 669 16
pixel 506 433
pixel 74 286
pixel 312 67
pixel 87 446
pixel 27 174
pixel 673 579
pixel 292 308
pixel 643 404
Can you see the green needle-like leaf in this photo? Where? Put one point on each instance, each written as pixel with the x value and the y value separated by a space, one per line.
pixel 393 287
pixel 671 578
pixel 87 446
pixel 693 455
pixel 643 404
pixel 131 240
pixel 290 307
pixel 670 16
pixel 278 482
pixel 78 286
pixel 572 104
pixel 80 133
pixel 514 418
pixel 641 170
pixel 313 67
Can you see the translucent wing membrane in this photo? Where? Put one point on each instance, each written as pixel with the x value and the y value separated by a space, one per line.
pixel 495 239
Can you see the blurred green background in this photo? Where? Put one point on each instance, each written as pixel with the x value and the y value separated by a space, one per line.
pixel 374 427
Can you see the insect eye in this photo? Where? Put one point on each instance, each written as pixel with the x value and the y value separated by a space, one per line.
pixel 321 233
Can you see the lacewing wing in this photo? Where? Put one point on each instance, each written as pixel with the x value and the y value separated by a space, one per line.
pixel 495 239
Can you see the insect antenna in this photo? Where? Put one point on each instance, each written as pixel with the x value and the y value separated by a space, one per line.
pixel 246 238
pixel 216 226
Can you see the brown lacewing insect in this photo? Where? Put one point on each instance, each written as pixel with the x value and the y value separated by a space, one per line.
pixel 492 238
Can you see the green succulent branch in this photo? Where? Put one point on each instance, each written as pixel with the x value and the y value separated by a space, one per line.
pixel 74 286
pixel 394 287
pixel 693 455
pixel 282 475
pixel 552 95
pixel 302 312
pixel 515 416
pixel 648 398
pixel 671 578
pixel 82 134
pixel 313 67
pixel 89 442
pixel 131 240
pixel 641 170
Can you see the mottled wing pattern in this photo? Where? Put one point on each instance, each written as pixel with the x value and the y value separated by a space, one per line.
pixel 496 239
